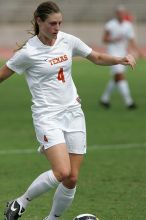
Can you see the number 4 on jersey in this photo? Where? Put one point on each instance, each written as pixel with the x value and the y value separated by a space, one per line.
pixel 61 75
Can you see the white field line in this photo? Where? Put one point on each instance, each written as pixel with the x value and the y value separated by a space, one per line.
pixel 90 148
pixel 116 146
pixel 17 151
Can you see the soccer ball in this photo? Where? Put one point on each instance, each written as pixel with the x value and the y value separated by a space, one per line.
pixel 86 217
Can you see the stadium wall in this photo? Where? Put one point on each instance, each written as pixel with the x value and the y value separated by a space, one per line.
pixel 73 10
pixel 83 18
pixel 91 33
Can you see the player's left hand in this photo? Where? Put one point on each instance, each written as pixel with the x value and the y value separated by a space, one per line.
pixel 129 60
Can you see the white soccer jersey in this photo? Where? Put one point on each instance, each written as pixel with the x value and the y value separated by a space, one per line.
pixel 48 72
pixel 116 29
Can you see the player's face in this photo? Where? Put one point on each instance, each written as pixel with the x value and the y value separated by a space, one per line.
pixel 51 26
pixel 120 14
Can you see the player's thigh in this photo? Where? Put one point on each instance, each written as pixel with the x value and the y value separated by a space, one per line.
pixel 60 161
pixel 76 143
pixel 57 155
pixel 52 143
pixel 76 161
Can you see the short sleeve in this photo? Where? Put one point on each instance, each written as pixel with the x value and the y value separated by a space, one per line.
pixel 130 32
pixel 19 62
pixel 80 48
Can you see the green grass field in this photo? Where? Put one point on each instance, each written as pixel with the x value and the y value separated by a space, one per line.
pixel 112 183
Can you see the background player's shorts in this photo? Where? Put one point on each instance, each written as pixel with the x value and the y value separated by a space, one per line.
pixel 115 69
pixel 66 127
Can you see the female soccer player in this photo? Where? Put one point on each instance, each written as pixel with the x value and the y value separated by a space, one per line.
pixel 119 35
pixel 46 61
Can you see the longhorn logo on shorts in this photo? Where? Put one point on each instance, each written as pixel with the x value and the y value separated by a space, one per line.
pixel 45 138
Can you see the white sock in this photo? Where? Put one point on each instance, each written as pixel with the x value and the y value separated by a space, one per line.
pixel 40 185
pixel 62 200
pixel 125 91
pixel 107 93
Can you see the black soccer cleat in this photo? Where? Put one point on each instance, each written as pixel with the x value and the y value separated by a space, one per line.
pixel 106 105
pixel 13 210
pixel 132 106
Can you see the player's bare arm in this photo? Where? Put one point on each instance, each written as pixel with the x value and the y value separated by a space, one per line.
pixel 106 60
pixel 5 73
pixel 108 39
pixel 134 47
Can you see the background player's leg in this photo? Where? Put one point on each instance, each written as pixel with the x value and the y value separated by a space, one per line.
pixel 124 89
pixel 105 99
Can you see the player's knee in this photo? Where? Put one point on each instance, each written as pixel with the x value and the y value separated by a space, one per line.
pixel 73 179
pixel 63 174
pixel 70 183
pixel 118 77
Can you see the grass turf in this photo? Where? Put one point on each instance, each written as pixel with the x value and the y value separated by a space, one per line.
pixel 112 179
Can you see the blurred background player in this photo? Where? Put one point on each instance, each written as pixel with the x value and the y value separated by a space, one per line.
pixel 119 36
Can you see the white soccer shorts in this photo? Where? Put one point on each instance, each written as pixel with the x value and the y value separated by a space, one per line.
pixel 115 69
pixel 66 127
